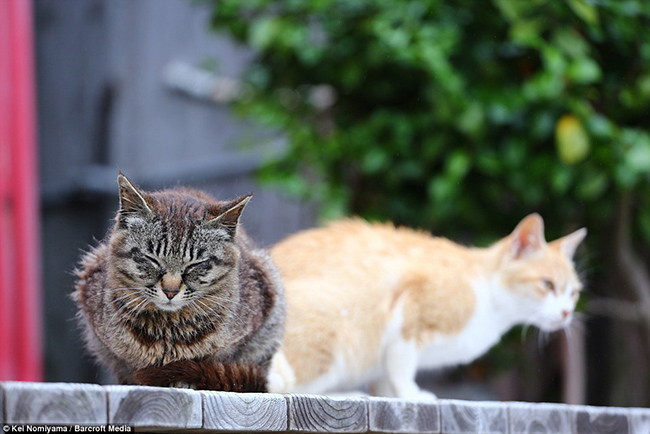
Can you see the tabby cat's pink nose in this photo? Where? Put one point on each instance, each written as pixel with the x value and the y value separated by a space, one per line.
pixel 171 284
pixel 170 293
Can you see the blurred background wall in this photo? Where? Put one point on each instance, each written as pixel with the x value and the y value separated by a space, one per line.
pixel 103 106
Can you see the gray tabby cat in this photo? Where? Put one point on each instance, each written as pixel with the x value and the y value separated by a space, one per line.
pixel 177 295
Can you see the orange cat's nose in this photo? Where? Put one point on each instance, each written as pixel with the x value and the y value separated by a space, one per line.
pixel 170 285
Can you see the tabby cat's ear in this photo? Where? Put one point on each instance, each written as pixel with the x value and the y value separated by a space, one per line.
pixel 230 217
pixel 131 199
pixel 569 243
pixel 528 236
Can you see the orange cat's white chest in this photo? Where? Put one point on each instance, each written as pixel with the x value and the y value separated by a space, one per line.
pixel 483 330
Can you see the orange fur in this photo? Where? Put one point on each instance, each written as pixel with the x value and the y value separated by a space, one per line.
pixel 346 283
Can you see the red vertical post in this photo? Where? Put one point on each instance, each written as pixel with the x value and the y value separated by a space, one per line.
pixel 20 234
pixel 6 243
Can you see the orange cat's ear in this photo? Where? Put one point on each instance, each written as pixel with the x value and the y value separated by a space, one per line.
pixel 230 217
pixel 528 236
pixel 569 243
pixel 131 199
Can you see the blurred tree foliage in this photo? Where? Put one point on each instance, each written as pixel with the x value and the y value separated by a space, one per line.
pixel 455 115
pixel 460 116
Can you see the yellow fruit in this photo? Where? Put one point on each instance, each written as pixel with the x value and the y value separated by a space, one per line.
pixel 571 140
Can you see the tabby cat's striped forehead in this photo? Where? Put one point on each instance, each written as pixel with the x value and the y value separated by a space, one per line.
pixel 184 207
pixel 172 214
pixel 176 225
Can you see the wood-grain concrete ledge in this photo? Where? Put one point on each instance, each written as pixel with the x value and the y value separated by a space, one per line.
pixel 153 409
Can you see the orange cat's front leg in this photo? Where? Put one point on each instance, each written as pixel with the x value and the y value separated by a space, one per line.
pixel 400 363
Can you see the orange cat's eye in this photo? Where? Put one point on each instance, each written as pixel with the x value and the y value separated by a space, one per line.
pixel 548 284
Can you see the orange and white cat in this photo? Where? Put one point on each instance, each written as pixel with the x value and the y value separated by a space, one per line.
pixel 371 303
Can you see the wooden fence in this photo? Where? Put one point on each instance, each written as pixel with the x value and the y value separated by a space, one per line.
pixel 46 407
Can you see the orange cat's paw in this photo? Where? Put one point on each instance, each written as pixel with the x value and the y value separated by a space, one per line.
pixel 420 395
pixel 281 378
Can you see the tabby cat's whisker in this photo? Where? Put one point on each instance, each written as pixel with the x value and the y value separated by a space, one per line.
pixel 134 300
pixel 205 307
pixel 216 298
pixel 130 294
pixel 137 308
pixel 127 288
pixel 100 294
pixel 127 306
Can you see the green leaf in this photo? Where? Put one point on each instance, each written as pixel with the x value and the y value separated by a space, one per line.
pixel 509 8
pixel 584 10
pixel 637 156
pixel 458 165
pixel 489 163
pixel 544 86
pixel 440 189
pixel 374 161
pixel 643 86
pixel 601 127
pixel 593 185
pixel 584 70
pixel 561 179
pixel 571 42
pixel 472 119
pixel 527 32
pixel 554 60
pixel 263 32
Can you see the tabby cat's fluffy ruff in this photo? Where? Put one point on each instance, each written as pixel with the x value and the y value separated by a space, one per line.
pixel 373 303
pixel 178 286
